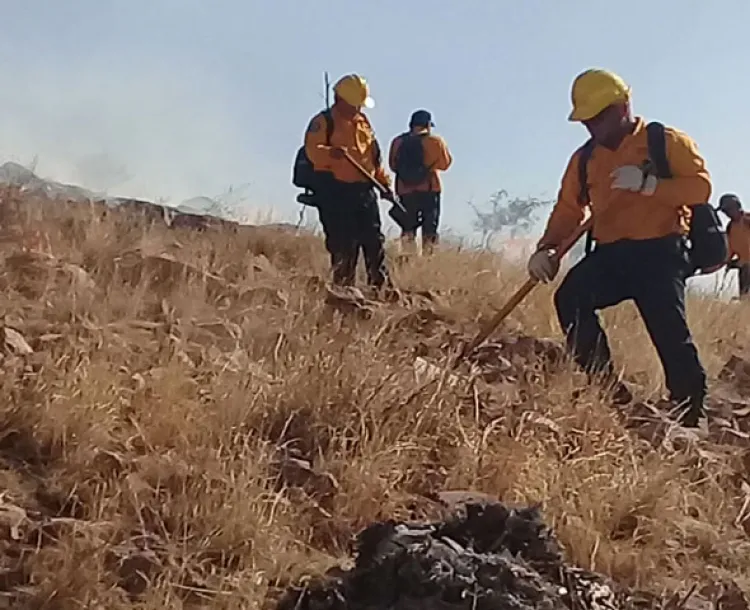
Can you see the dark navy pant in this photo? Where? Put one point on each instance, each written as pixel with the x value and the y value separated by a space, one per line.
pixel 652 274
pixel 350 217
pixel 424 210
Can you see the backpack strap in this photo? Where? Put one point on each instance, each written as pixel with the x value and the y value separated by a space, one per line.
pixel 376 152
pixel 657 149
pixel 657 152
pixel 584 154
pixel 402 138
pixel 328 116
pixel 421 135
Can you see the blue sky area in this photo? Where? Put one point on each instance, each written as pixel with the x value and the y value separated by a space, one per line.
pixel 191 96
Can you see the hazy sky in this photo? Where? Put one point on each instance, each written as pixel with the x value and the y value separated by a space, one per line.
pixel 192 96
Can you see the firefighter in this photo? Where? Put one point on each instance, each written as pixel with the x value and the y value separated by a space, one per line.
pixel 348 204
pixel 738 235
pixel 639 224
pixel 416 157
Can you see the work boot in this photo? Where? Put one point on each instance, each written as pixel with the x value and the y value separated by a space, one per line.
pixel 690 411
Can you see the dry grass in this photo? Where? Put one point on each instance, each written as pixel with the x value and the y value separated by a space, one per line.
pixel 139 441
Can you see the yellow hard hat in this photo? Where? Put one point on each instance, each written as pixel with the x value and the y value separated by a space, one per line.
pixel 353 89
pixel 593 91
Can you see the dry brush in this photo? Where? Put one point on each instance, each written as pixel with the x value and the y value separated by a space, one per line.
pixel 192 419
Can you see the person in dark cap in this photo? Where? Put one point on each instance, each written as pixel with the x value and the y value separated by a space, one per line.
pixel 416 157
pixel 738 236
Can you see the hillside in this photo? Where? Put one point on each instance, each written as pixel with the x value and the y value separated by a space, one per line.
pixel 192 420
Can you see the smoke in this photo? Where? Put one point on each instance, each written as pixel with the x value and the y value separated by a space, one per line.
pixel 137 128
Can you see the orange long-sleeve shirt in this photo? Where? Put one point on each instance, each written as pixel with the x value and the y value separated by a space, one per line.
pixel 621 214
pixel 355 135
pixel 738 236
pixel 436 156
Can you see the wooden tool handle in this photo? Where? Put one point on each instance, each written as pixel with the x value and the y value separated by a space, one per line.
pixel 519 295
pixel 384 190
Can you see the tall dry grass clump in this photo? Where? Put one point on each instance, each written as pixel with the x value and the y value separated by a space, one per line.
pixel 190 419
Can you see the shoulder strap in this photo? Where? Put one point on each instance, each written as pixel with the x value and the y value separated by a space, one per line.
pixel 377 155
pixel 657 149
pixel 328 115
pixel 584 154
pixel 401 139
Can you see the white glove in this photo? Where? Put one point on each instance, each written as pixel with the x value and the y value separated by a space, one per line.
pixel 631 177
pixel 543 265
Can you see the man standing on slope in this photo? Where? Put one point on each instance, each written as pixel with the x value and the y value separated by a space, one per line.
pixel 638 223
pixel 416 157
pixel 738 234
pixel 347 204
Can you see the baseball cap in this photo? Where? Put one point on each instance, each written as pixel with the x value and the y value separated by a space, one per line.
pixel 729 200
pixel 421 118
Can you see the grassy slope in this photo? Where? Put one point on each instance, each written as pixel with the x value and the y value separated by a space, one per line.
pixel 148 415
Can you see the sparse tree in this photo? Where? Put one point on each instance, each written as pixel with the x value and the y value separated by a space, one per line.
pixel 502 214
pixel 228 205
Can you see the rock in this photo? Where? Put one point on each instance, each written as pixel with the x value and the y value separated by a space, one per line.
pixel 15 342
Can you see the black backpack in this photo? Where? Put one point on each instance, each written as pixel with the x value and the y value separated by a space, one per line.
pixel 304 174
pixel 707 242
pixel 410 166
